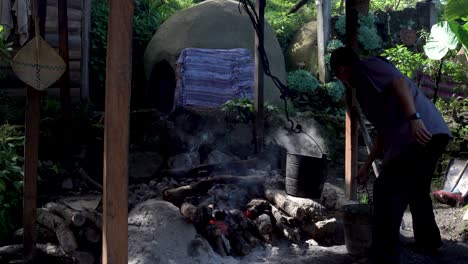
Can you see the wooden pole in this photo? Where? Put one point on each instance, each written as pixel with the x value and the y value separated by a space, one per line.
pixel 64 81
pixel 259 103
pixel 116 133
pixel 323 31
pixel 31 153
pixel 85 42
pixel 351 123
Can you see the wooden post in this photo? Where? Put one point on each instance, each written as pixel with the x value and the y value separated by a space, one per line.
pixel 116 133
pixel 85 42
pixel 259 104
pixel 64 81
pixel 31 153
pixel 351 115
pixel 323 31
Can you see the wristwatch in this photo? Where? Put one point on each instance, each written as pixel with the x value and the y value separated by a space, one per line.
pixel 414 116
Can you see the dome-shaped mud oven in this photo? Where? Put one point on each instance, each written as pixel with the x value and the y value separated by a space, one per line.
pixel 215 25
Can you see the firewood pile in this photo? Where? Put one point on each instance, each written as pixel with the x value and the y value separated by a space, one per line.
pixel 63 235
pixel 235 214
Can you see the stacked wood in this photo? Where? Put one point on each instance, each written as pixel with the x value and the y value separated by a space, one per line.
pixel 65 236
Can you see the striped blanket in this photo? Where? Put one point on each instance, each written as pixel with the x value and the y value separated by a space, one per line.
pixel 207 78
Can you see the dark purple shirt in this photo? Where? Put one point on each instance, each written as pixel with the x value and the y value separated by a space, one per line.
pixel 372 78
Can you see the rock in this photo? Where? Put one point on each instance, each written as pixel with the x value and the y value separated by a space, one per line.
pixel 311 243
pixel 158 233
pixel 184 161
pixel 302 52
pixel 329 196
pixel 212 24
pixel 144 164
pixel 67 184
pixel 218 157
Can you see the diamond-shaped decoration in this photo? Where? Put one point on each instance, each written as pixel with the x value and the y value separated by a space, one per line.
pixel 38 64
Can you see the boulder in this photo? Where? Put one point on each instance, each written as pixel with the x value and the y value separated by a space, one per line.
pixel 184 161
pixel 212 24
pixel 302 52
pixel 157 233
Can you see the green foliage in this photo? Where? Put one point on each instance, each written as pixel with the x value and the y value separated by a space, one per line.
pixel 149 15
pixel 456 13
pixel 335 90
pixel 5 49
pixel 455 113
pixel 241 110
pixel 368 36
pixel 11 175
pixel 302 81
pixel 391 4
pixel 331 46
pixel 406 61
pixel 286 25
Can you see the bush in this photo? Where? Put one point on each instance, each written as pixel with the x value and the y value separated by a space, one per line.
pixel 302 81
pixel 405 60
pixel 368 36
pixel 284 25
pixel 335 90
pixel 11 175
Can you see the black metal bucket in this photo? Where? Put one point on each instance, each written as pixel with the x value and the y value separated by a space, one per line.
pixel 305 175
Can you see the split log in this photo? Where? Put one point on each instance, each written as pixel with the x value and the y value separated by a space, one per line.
pixel 92 235
pixel 70 215
pixel 43 235
pixel 44 250
pixel 188 211
pixel 88 179
pixel 93 217
pixel 280 199
pixel 320 230
pixel 177 195
pixel 299 208
pixel 65 236
pixel 265 227
pixel 238 166
pixel 287 225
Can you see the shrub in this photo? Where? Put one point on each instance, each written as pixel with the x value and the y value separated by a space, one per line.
pixel 405 60
pixel 335 90
pixel 368 36
pixel 11 175
pixel 302 81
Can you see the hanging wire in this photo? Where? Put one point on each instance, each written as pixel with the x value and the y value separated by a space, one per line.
pixel 285 91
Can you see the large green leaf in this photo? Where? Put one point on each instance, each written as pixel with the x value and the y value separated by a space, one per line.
pixel 441 40
pixel 456 9
pixel 461 31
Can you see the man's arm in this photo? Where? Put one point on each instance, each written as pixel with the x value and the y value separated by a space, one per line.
pixel 402 91
pixel 377 148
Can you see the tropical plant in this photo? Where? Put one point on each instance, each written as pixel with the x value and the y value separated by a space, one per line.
pixel 241 110
pixel 368 36
pixel 456 14
pixel 406 61
pixel 11 175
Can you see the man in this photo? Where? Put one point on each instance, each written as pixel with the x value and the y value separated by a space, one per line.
pixel 412 136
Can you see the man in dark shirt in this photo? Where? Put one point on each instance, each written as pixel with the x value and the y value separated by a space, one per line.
pixel 412 136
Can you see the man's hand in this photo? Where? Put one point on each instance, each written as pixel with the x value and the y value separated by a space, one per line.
pixel 363 174
pixel 419 131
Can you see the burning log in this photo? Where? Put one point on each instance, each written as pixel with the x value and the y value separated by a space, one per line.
pixel 257 207
pixel 178 195
pixel 92 235
pixel 239 245
pixel 70 215
pixel 65 236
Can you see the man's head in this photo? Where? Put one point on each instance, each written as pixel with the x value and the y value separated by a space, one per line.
pixel 341 61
